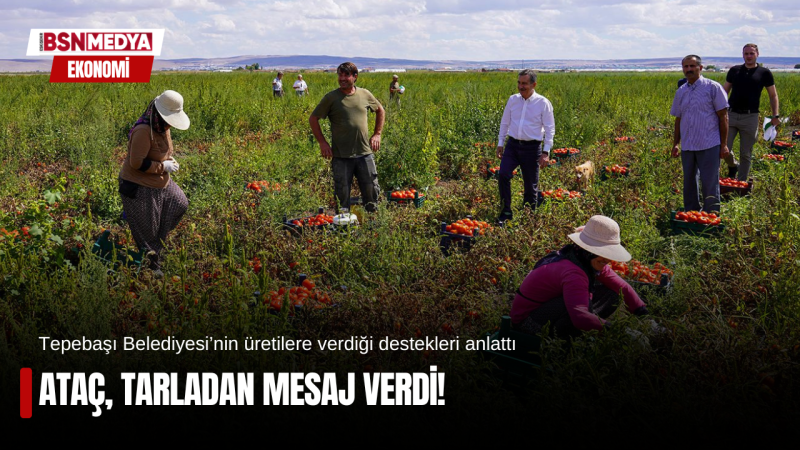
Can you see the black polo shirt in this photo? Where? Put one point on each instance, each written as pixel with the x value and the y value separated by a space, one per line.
pixel 747 86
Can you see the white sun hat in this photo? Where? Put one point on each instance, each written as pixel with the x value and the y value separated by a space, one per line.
pixel 170 105
pixel 600 236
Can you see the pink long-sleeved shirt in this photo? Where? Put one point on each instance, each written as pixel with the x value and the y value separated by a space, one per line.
pixel 564 278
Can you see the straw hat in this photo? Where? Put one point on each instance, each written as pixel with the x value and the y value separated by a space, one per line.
pixel 170 105
pixel 601 237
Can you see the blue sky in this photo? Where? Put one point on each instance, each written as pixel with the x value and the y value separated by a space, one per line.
pixel 433 29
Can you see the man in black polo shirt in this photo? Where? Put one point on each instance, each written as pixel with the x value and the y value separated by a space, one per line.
pixel 747 81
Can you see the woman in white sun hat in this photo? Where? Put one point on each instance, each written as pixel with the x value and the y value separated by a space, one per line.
pixel 574 289
pixel 152 202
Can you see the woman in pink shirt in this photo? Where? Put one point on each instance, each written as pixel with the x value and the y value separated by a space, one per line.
pixel 574 289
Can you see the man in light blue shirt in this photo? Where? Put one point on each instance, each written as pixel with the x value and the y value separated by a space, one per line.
pixel 700 108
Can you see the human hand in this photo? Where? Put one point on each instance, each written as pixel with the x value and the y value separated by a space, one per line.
pixel 499 151
pixel 170 165
pixel 375 142
pixel 775 121
pixel 723 151
pixel 676 151
pixel 325 150
pixel 544 160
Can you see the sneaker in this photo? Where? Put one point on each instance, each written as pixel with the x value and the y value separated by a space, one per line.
pixel 732 171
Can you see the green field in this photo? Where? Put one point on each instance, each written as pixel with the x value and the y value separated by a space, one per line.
pixel 733 314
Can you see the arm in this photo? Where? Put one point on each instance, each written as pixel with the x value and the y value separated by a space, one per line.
pixel 375 140
pixel 773 104
pixel 140 148
pixel 504 122
pixel 549 124
pixel 723 132
pixel 576 298
pixel 324 147
pixel 611 280
pixel 727 86
pixel 676 138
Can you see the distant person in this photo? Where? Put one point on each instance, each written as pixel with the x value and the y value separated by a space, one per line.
pixel 300 87
pixel 529 125
pixel 351 154
pixel 394 90
pixel 152 202
pixel 277 85
pixel 747 81
pixel 700 108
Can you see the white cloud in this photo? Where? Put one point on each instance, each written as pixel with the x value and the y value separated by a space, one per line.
pixel 426 29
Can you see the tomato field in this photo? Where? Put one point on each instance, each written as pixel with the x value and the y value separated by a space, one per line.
pixel 731 349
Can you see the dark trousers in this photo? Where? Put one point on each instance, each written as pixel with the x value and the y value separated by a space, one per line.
pixel 526 156
pixel 365 172
pixel 701 167
pixel 604 302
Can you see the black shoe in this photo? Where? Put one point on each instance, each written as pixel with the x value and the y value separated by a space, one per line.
pixel 504 217
pixel 732 171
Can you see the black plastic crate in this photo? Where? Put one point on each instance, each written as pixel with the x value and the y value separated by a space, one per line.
pixel 698 229
pixel 105 249
pixel 417 201
pixel 289 225
pixel 730 191
pixel 565 156
pixel 781 147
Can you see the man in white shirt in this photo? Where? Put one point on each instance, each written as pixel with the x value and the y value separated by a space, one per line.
pixel 277 86
pixel 300 86
pixel 529 125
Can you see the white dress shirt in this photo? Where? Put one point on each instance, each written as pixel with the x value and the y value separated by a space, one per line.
pixel 527 120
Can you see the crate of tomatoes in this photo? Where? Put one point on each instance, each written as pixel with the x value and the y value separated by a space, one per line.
pixel 406 197
pixel 729 186
pixel 695 222
pixel 639 275
pixel 305 294
pixel 565 153
pixel 615 171
pixel 781 147
pixel 320 221
pixel 461 233
pixel 796 135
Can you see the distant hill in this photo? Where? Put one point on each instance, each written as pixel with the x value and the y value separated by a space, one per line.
pixel 330 62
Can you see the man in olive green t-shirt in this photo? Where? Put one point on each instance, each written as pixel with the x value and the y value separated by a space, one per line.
pixel 351 155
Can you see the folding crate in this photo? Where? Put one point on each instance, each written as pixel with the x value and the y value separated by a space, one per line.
pixel 105 249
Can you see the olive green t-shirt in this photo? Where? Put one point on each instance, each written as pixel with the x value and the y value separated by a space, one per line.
pixel 348 115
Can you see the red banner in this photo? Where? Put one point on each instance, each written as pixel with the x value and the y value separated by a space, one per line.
pixel 101 69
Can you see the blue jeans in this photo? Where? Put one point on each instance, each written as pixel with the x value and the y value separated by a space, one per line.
pixel 526 156
pixel 701 166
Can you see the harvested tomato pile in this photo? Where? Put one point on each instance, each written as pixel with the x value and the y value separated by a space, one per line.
pixel 319 219
pixel 495 169
pixel 700 217
pixel 566 151
pixel 625 139
pixel 617 169
pixel 466 227
pixel 730 182
pixel 407 194
pixel 774 157
pixel 561 194
pixel 262 185
pixel 635 270
pixel 297 296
